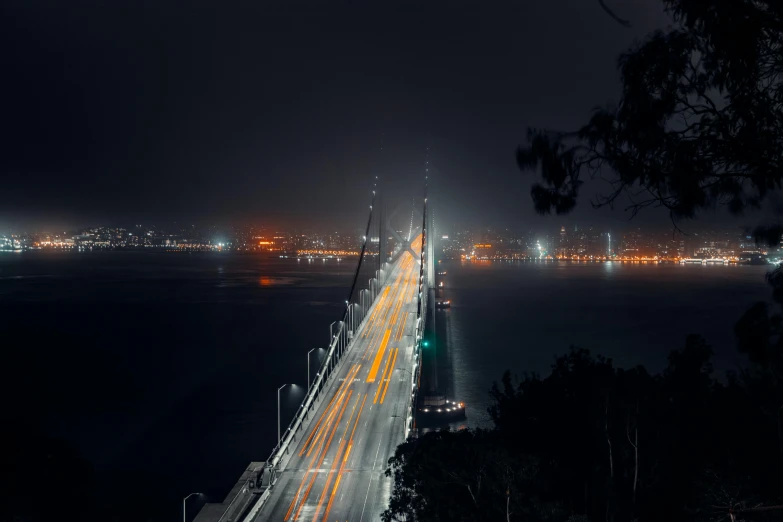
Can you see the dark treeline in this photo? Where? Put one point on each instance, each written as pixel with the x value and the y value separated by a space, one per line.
pixel 594 442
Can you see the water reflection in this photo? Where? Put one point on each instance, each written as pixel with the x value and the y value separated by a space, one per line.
pixel 519 316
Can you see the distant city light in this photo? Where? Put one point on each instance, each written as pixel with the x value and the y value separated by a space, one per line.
pixel 560 243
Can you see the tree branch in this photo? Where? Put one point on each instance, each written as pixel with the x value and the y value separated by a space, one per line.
pixel 624 23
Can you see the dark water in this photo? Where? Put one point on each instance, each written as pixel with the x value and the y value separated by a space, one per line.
pixel 162 369
pixel 518 316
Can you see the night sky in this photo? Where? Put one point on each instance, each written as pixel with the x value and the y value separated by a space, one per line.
pixel 282 112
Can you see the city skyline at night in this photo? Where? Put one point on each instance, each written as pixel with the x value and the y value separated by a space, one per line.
pixel 585 243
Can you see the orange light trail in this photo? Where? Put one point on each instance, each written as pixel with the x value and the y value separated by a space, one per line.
pixel 341 390
pixel 385 324
pixel 401 327
pixel 343 445
pixel 318 457
pixel 388 379
pixel 378 357
pixel 383 376
pixel 345 460
pixel 386 373
pixel 346 385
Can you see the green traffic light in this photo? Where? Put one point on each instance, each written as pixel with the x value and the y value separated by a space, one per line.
pixel 425 343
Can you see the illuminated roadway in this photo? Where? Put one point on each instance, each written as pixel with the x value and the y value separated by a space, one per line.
pixel 336 471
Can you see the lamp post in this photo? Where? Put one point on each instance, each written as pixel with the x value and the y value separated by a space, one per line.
pixel 278 413
pixel 349 316
pixel 183 504
pixel 308 367
pixel 342 332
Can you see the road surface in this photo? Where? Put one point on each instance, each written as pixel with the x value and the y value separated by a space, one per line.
pixel 337 469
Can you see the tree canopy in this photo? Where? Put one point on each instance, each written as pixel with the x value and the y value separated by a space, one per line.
pixel 699 122
pixel 594 442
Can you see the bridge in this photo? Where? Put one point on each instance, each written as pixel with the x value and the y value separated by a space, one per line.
pixel 330 461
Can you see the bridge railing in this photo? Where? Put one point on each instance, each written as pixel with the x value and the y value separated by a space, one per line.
pixel 341 341
pixel 353 320
pixel 421 318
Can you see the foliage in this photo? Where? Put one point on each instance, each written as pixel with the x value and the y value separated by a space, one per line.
pixel 599 442
pixel 760 335
pixel 465 475
pixel 699 122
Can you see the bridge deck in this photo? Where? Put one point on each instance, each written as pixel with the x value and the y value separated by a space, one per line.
pixel 336 470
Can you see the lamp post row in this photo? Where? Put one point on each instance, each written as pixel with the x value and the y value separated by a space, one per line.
pixel 351 325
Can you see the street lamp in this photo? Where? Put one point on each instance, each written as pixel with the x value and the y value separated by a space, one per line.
pixel 308 366
pixel 354 318
pixel 183 504
pixel 349 320
pixel 278 413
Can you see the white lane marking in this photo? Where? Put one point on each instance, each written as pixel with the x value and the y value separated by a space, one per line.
pixel 369 482
pixel 376 454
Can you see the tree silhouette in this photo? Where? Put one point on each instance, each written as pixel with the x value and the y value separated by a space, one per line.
pixel 603 443
pixel 699 122
pixel 760 335
pixel 465 475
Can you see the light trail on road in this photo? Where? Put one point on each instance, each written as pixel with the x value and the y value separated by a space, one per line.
pixel 336 470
